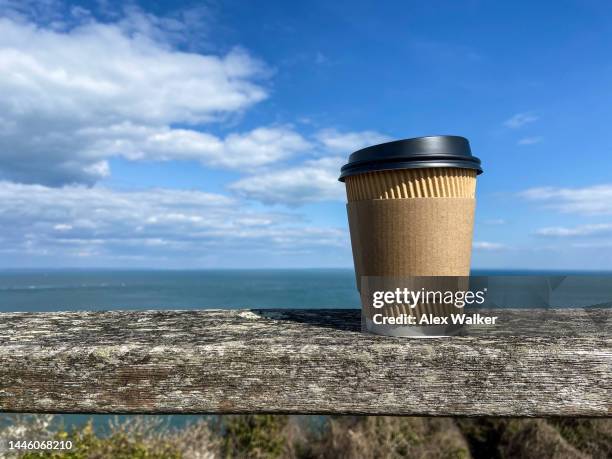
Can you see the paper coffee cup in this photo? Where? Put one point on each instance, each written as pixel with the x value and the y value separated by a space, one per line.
pixel 411 213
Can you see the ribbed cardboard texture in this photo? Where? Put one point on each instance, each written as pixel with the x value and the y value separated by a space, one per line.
pixel 411 237
pixel 442 182
pixel 400 238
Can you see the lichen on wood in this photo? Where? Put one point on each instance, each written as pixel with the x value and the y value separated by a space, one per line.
pixel 301 361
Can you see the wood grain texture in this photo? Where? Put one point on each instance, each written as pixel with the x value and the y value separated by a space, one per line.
pixel 301 361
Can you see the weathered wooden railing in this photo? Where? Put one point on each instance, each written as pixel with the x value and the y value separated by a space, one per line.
pixel 300 361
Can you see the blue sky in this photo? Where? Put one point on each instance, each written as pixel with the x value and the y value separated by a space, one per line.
pixel 210 134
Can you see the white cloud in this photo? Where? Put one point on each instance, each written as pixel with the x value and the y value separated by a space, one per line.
pixel 99 222
pixel 77 93
pixel 592 200
pixel 261 146
pixel 347 142
pixel 72 97
pixel 483 245
pixel 599 229
pixel 530 140
pixel 519 120
pixel 314 180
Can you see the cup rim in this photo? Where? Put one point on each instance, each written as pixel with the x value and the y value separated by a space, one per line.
pixel 414 153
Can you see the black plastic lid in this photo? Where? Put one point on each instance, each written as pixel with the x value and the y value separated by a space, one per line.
pixel 419 152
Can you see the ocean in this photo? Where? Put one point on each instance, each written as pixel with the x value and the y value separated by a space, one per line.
pixel 72 290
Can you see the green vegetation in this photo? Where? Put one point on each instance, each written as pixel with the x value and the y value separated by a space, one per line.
pixel 141 437
pixel 118 445
pixel 255 436
pixel 590 436
pixel 337 437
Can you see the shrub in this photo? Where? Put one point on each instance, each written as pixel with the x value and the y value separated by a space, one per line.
pixel 255 436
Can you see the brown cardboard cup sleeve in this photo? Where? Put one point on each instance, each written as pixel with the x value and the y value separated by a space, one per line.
pixel 401 238
pixel 411 237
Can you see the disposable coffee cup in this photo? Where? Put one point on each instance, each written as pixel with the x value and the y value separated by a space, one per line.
pixel 411 210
